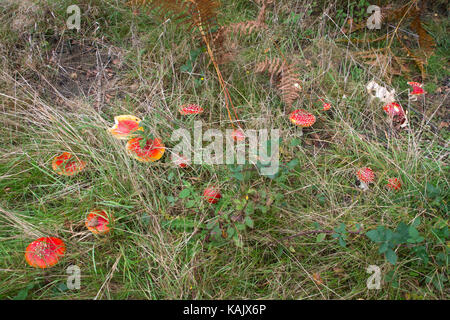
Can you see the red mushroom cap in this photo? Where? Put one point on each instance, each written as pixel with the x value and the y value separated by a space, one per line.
pixel 212 194
pixel 97 221
pixel 326 105
pixel 125 126
pixel 45 252
pixel 302 118
pixel 417 88
pixel 180 161
pixel 152 151
pixel 190 109
pixel 238 135
pixel 393 109
pixel 393 184
pixel 66 165
pixel 365 175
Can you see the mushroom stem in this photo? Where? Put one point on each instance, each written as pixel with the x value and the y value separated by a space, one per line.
pixel 300 132
pixel 363 186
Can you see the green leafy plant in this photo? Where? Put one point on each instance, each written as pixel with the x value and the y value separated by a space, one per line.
pixel 193 55
pixel 388 240
pixel 340 233
pixel 146 134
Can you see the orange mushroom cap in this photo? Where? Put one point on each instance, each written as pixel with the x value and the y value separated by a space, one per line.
pixel 302 118
pixel 153 150
pixel 125 127
pixel 190 109
pixel 45 252
pixel 394 184
pixel 66 165
pixel 212 194
pixel 365 175
pixel 98 221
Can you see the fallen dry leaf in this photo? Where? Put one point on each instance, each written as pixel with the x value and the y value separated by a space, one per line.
pixel 317 278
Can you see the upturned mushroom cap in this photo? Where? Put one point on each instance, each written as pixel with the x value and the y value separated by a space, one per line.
pixel 45 252
pixel 125 127
pixel 212 194
pixel 393 109
pixel 152 151
pixel 97 221
pixel 417 88
pixel 66 165
pixel 365 175
pixel 302 118
pixel 394 184
pixel 190 109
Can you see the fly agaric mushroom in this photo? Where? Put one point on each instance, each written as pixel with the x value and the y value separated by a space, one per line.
pixel 180 161
pixel 125 127
pixel 396 113
pixel 152 151
pixel 98 221
pixel 393 184
pixel 45 252
pixel 326 106
pixel 66 165
pixel 417 90
pixel 238 135
pixel 212 194
pixel 365 176
pixel 190 109
pixel 393 109
pixel 302 118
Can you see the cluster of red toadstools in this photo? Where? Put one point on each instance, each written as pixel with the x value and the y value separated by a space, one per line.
pixel 45 252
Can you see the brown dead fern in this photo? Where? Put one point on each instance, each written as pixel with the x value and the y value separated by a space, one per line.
pixel 414 51
pixel 286 77
pixel 200 15
pixel 225 47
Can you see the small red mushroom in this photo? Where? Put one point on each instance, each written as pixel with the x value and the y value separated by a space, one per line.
pixel 180 161
pixel 190 109
pixel 98 221
pixel 238 135
pixel 417 90
pixel 396 113
pixel 212 194
pixel 326 105
pixel 365 176
pixel 302 118
pixel 393 109
pixel 45 252
pixel 66 165
pixel 394 184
